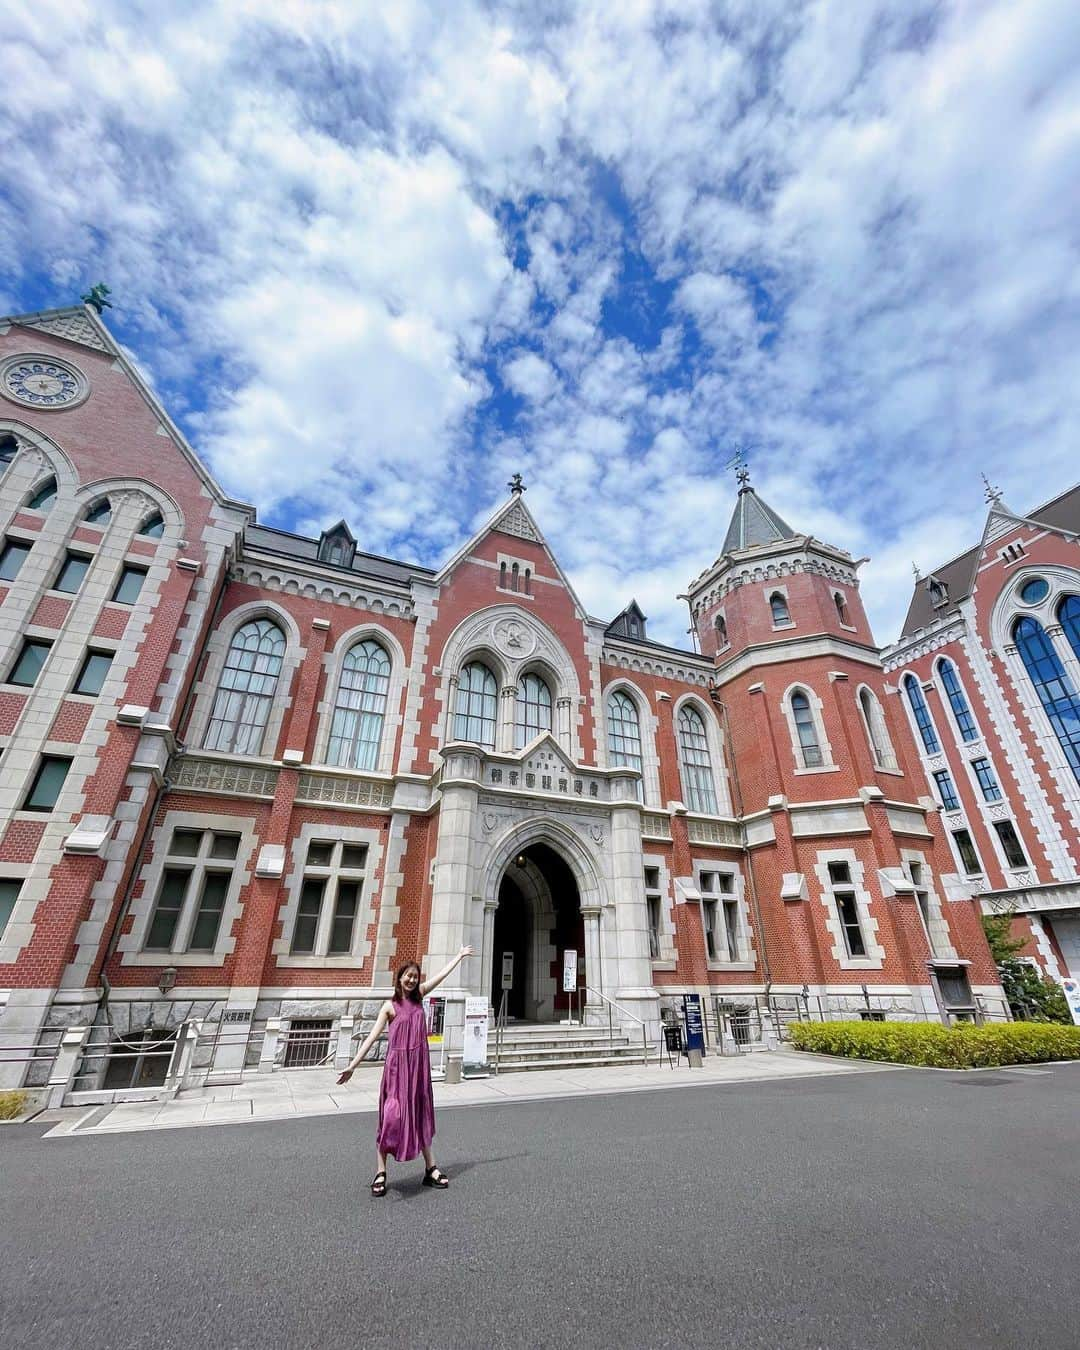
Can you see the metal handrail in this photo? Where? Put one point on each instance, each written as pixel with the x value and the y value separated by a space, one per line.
pixel 588 989
pixel 500 1024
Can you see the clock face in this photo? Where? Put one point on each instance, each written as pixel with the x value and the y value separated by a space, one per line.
pixel 42 382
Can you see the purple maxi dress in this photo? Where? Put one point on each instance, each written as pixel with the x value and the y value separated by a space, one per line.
pixel 406 1103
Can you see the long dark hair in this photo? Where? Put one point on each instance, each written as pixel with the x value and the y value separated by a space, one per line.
pixel 399 993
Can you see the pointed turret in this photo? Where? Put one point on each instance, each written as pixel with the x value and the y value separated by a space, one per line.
pixel 754 522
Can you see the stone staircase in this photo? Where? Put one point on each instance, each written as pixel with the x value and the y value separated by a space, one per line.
pixel 527 1047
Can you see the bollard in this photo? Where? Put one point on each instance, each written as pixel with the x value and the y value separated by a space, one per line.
pixel 453 1069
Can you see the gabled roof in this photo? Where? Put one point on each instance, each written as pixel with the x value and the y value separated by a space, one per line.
pixel 1061 513
pixel 629 623
pixel 287 545
pixel 754 522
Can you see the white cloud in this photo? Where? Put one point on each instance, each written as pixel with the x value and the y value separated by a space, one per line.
pixel 844 238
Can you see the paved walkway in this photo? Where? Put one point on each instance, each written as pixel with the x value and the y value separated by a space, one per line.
pixel 314 1092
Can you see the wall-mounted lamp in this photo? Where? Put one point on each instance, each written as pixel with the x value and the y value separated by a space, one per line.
pixel 167 979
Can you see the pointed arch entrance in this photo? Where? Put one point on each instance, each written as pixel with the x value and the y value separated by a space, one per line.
pixel 537 918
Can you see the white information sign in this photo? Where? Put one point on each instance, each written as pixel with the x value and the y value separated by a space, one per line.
pixel 1072 997
pixel 474 1050
pixel 569 971
pixel 508 970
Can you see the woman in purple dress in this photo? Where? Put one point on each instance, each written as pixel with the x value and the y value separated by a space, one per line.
pixel 406 1104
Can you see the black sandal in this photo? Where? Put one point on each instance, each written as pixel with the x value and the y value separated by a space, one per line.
pixel 378 1185
pixel 434 1177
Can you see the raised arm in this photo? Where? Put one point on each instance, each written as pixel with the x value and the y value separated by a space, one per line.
pixel 436 980
pixel 372 1036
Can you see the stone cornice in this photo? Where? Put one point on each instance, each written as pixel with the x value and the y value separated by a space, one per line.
pixel 274 574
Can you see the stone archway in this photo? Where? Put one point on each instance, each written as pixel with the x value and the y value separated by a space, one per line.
pixel 540 875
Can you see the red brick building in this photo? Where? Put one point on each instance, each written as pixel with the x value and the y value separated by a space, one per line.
pixel 245 773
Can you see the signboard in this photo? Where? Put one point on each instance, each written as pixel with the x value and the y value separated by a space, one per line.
pixel 1071 989
pixel 435 1011
pixel 474 1048
pixel 673 1039
pixel 695 1029
pixel 569 971
pixel 507 970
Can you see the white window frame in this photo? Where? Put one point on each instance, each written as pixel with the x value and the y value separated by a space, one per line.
pixel 668 957
pixel 868 925
pixel 647 727
pixel 714 749
pixel 883 755
pixel 324 832
pixel 132 946
pixel 782 591
pixel 827 765
pixel 732 894
pixel 931 913
pixel 333 664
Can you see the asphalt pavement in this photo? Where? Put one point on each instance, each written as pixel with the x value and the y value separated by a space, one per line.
pixel 893 1209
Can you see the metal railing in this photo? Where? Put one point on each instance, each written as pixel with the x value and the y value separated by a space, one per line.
pixel 612 1008
pixel 500 1028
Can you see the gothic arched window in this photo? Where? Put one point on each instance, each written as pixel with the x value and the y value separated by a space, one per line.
pixel 246 689
pixel 623 732
pixel 153 527
pixel 721 631
pixel 1069 617
pixel 9 448
pixel 965 723
pixel 806 730
pixel 100 513
pixel 779 607
pixel 841 609
pixel 532 710
pixel 476 705
pixel 360 707
pixel 922 715
pixel 1056 691
pixel 876 730
pixel 43 497
pixel 697 771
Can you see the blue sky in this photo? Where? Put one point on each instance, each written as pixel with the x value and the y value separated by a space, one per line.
pixel 375 258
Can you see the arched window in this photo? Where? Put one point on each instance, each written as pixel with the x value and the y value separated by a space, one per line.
pixel 1056 691
pixel 476 706
pixel 841 609
pixel 922 715
pixel 532 710
pixel 721 631
pixel 514 572
pixel 876 731
pixel 502 576
pixel 697 771
pixel 100 513
pixel 153 527
pixel 9 448
pixel 360 707
pixel 246 689
pixel 42 498
pixel 528 581
pixel 965 723
pixel 806 730
pixel 1069 617
pixel 778 605
pixel 623 732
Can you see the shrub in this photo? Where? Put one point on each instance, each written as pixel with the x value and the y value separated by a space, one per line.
pixel 934 1046
pixel 13 1104
pixel 1031 995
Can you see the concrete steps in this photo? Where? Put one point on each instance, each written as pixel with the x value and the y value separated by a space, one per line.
pixel 527 1049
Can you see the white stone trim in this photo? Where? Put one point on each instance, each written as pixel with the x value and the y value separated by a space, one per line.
pixel 648 726
pixel 887 762
pixel 333 662
pixel 361 949
pixel 217 650
pixel 669 956
pixel 938 936
pixel 131 944
pixel 875 952
pixel 816 711
pixel 746 957
pixel 715 736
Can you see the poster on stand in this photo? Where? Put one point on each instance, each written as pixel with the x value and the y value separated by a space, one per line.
pixel 474 1050
pixel 1071 989
pixel 435 1017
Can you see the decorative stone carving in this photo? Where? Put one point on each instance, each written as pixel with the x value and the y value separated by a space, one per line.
pixel 513 638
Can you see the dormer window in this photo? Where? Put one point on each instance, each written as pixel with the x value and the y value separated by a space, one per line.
pixel 939 592
pixel 337 546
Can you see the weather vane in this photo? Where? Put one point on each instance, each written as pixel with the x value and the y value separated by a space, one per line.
pixel 516 486
pixel 738 463
pixel 991 493
pixel 95 297
pixel 915 569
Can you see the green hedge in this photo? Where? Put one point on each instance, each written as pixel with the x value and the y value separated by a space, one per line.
pixel 934 1046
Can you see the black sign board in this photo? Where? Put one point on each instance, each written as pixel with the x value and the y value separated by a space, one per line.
pixel 695 1030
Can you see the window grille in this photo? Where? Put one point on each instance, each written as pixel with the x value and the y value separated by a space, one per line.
pixel 193 890
pixel 921 712
pixel 1055 689
pixel 246 689
pixel 330 894
pixel 806 730
pixel 965 723
pixel 624 732
pixel 779 607
pixel 696 762
pixel 360 708
pixel 532 710
pixel 475 710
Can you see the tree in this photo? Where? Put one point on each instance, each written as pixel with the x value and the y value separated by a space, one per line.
pixel 1030 994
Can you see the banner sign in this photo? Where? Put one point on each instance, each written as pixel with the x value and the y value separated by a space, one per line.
pixel 695 1029
pixel 474 1049
pixel 435 1009
pixel 569 971
pixel 1072 998
pixel 507 970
